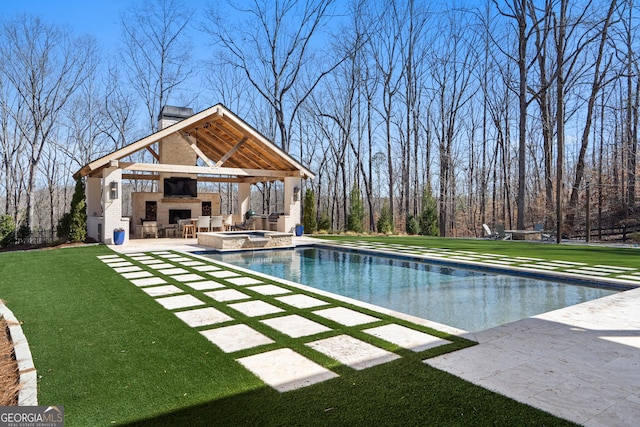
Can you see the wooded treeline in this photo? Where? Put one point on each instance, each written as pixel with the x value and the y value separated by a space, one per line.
pixel 503 110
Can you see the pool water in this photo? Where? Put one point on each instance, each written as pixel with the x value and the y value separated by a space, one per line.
pixel 466 299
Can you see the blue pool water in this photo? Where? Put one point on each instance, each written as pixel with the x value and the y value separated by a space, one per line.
pixel 466 299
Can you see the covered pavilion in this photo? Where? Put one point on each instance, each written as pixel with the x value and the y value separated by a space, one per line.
pixel 213 145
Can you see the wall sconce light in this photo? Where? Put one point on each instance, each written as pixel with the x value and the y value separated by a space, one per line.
pixel 296 194
pixel 113 190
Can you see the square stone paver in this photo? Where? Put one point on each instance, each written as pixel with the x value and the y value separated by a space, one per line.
pixel 142 258
pixel 104 257
pixel 187 277
pixel 136 274
pixel 151 261
pixel 345 316
pixel 295 326
pixel 269 290
pixel 119 264
pixel 206 268
pixel 255 308
pixel 161 266
pixel 202 317
pixel 160 291
pixel 301 301
pixel 242 281
pixel 406 337
pixel 227 295
pixel 286 370
pixel 127 269
pixel 173 270
pixel 223 274
pixel 192 263
pixel 204 285
pixel 353 352
pixel 180 259
pixel 180 301
pixel 236 337
pixel 149 281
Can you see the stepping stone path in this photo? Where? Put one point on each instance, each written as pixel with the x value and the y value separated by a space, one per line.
pixel 220 305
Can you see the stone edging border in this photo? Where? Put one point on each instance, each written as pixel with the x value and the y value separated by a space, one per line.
pixel 28 394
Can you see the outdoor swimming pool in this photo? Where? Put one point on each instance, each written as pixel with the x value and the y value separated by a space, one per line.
pixel 466 299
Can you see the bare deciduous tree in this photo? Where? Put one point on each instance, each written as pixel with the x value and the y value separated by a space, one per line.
pixel 45 65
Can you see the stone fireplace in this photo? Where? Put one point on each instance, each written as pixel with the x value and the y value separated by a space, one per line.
pixel 176 214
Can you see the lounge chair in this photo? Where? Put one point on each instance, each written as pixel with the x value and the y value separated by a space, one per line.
pixel 544 235
pixel 247 225
pixel 487 232
pixel 502 235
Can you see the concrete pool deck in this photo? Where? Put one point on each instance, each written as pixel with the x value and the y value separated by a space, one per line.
pixel 581 363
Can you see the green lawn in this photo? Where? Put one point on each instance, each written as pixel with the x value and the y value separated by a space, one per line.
pixel 112 355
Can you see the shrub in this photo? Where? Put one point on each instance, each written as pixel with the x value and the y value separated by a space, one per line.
pixel 385 225
pixel 24 232
pixel 429 214
pixel 7 230
pixel 413 227
pixel 355 218
pixel 309 216
pixel 324 223
pixel 73 224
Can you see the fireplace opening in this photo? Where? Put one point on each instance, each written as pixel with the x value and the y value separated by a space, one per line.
pixel 176 214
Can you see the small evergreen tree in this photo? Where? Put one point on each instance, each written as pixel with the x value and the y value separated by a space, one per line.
pixel 355 218
pixel 7 230
pixel 413 227
pixel 309 216
pixel 73 224
pixel 324 223
pixel 429 214
pixel 384 222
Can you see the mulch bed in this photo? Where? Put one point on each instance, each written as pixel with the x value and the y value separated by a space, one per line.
pixel 9 375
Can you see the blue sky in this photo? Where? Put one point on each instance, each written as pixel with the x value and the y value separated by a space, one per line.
pixel 97 18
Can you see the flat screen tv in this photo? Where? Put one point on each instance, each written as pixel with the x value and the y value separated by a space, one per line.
pixel 180 187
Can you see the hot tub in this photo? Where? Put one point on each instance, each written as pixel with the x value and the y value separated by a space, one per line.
pixel 238 240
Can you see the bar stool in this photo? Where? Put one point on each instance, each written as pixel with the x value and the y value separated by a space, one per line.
pixel 188 230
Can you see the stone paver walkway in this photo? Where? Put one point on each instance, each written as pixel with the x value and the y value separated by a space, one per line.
pixel 214 299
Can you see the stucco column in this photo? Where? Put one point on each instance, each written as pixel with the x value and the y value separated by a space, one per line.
pixel 292 203
pixel 92 193
pixel 244 199
pixel 112 176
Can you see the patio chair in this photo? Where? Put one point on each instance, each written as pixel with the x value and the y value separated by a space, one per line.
pixel 150 228
pixel 487 232
pixel 502 235
pixel 216 223
pixel 544 235
pixel 247 225
pixel 204 224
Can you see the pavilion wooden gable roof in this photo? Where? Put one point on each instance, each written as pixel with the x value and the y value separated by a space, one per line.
pixel 229 150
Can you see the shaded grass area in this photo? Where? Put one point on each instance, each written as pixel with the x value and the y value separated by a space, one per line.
pixel 623 257
pixel 112 355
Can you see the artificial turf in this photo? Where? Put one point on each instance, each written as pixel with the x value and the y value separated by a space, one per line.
pixel 112 356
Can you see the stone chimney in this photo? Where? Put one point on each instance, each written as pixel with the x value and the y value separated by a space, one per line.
pixel 174 149
pixel 171 114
